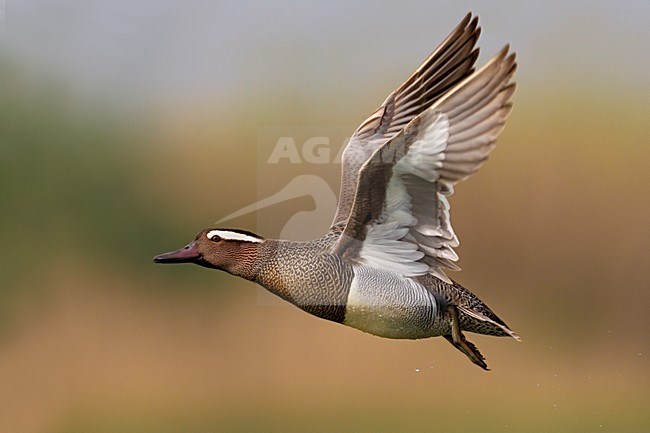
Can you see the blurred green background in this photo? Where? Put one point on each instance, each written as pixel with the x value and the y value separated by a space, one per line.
pixel 126 127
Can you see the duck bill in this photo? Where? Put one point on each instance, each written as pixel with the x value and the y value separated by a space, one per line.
pixel 187 254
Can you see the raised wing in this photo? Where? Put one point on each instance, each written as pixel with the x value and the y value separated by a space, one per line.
pixel 450 63
pixel 400 215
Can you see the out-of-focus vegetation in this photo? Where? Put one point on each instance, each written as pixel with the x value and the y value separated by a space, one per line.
pixel 73 187
pixel 96 338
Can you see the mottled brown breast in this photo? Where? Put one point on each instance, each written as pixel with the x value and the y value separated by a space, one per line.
pixel 308 276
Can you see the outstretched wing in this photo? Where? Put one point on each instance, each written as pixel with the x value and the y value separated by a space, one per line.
pixel 400 215
pixel 450 63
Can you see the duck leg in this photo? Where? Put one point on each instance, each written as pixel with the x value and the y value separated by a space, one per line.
pixel 460 342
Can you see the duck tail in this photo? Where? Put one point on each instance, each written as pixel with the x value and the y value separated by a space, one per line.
pixel 498 328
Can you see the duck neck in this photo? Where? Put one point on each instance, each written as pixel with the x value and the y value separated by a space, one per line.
pixel 262 262
pixel 250 259
pixel 273 256
pixel 279 261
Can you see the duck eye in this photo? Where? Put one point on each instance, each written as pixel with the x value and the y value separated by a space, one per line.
pixel 215 238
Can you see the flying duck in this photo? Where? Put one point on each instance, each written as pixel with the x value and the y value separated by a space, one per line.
pixel 381 265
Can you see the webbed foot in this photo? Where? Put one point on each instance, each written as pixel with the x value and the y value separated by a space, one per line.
pixel 461 343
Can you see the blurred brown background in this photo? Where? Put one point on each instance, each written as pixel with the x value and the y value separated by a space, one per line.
pixel 126 127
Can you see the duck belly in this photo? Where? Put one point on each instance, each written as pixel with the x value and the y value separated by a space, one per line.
pixel 390 305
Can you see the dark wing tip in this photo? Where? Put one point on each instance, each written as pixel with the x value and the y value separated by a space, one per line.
pixel 466 19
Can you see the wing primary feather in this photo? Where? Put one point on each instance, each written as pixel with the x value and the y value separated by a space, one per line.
pixel 435 130
pixel 450 63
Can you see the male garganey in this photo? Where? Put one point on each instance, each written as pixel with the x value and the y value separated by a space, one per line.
pixel 379 268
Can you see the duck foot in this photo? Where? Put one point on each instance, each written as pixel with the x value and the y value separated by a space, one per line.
pixel 458 340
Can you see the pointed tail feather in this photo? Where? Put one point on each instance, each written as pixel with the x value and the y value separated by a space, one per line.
pixel 487 322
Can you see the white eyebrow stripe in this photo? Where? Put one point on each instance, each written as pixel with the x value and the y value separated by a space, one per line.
pixel 232 236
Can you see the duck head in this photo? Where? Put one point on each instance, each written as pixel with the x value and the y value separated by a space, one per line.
pixel 232 250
